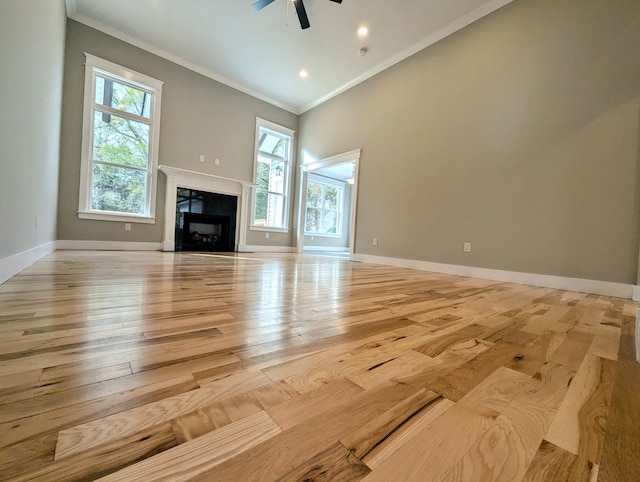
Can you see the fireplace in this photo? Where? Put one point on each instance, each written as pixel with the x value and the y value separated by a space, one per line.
pixel 177 178
pixel 205 221
pixel 202 232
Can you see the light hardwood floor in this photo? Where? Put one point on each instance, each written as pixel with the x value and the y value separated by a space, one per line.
pixel 145 366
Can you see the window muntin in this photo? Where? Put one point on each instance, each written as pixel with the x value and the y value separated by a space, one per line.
pixel 120 143
pixel 124 97
pixel 272 171
pixel 324 200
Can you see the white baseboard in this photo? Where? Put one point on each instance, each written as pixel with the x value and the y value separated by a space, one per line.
pixel 12 265
pixel 108 245
pixel 333 249
pixel 247 248
pixel 606 288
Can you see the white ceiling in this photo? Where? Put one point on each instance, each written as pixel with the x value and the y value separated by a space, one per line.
pixel 261 52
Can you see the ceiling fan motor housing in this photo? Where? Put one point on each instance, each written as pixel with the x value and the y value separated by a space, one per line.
pixel 300 10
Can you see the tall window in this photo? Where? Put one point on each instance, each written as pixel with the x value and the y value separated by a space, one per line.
pixel 324 206
pixel 271 174
pixel 119 144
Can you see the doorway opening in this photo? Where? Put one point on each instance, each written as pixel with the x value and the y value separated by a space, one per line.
pixel 327 207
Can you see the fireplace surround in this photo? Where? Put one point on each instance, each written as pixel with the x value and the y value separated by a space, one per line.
pixel 183 178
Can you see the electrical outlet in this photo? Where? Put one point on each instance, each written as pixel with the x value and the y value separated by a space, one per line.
pixel 467 247
pixel 266 235
pixel 201 157
pixel 374 242
pixel 217 162
pixel 127 226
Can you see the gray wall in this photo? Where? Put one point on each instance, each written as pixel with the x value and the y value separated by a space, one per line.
pixel 31 59
pixel 199 116
pixel 518 134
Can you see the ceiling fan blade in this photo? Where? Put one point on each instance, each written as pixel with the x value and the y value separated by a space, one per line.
pixel 260 4
pixel 302 14
pixel 337 1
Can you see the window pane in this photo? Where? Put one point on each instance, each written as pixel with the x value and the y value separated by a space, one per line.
pixel 330 222
pixel 331 198
pixel 273 144
pixel 269 210
pixel 313 219
pixel 262 178
pixel 122 97
pixel 118 189
pixel 276 179
pixel 261 209
pixel 120 141
pixel 270 175
pixel 275 210
pixel 314 194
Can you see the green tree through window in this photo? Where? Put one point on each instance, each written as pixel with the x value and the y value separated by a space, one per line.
pixel 273 153
pixel 323 207
pixel 120 147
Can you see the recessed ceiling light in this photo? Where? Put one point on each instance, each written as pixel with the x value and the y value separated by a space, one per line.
pixel 303 73
pixel 363 31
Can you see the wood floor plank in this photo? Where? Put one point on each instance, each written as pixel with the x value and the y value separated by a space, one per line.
pixel 50 386
pixel 619 460
pixel 581 422
pixel 9 382
pixel 450 359
pixel 202 453
pixel 37 451
pixel 309 437
pixel 553 464
pixel 350 365
pixel 234 408
pixel 439 345
pixel 606 342
pixel 572 350
pixel 404 364
pixel 302 407
pixel 119 425
pixel 460 381
pixel 68 416
pixel 108 458
pixel 556 380
pixel 335 464
pixel 506 449
pixel 110 359
pixel 405 433
pixel 468 420
pixel 367 437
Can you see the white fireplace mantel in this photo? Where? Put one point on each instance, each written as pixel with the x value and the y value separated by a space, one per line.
pixel 200 181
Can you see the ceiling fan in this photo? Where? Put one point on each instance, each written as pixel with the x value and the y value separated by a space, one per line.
pixel 300 10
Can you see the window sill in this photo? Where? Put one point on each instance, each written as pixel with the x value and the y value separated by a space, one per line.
pixel 124 218
pixel 323 235
pixel 268 228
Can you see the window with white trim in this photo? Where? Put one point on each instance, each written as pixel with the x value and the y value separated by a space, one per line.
pixel 323 215
pixel 272 171
pixel 120 133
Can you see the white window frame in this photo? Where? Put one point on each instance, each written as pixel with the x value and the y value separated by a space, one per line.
pixel 95 65
pixel 328 182
pixel 262 124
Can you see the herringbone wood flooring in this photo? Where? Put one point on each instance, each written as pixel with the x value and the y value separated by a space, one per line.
pixel 145 366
